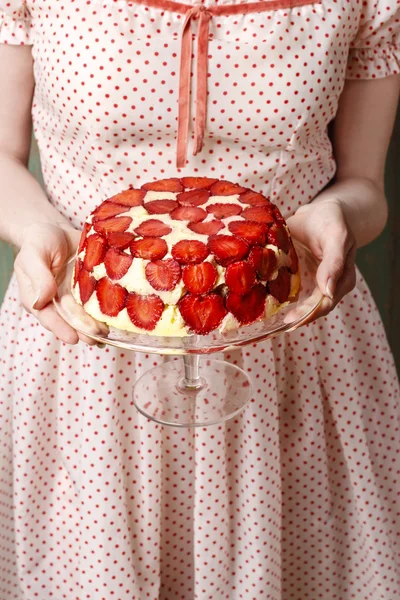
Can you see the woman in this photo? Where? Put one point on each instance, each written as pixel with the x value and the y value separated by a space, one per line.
pixel 295 498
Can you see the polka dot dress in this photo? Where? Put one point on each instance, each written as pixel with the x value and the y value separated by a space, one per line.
pixel 297 497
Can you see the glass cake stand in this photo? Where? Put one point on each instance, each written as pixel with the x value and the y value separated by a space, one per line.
pixel 198 390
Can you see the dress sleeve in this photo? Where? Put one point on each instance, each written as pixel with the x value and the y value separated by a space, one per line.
pixel 15 23
pixel 375 51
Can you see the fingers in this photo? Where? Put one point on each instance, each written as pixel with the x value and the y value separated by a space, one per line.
pixel 337 247
pixel 39 284
pixel 49 318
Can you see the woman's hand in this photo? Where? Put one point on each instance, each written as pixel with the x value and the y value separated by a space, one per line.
pixel 44 250
pixel 321 226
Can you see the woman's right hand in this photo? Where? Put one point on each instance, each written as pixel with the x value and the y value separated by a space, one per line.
pixel 44 251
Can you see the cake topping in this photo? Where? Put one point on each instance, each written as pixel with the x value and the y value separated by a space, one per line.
pixel 87 284
pixel 202 313
pixel 189 252
pixel 226 188
pixel 227 248
pixel 193 198
pixel 119 240
pixel 129 198
pixel 240 277
pixel 248 308
pixel 164 185
pixel 260 214
pixel 144 311
pixel 201 278
pixel 278 236
pixel 280 287
pixel 263 260
pixel 117 263
pixel 107 210
pixel 159 207
pixel 96 247
pixel 252 233
pixel 221 211
pixel 153 228
pixel 116 224
pixel 149 248
pixel 194 214
pixel 253 198
pixel 207 228
pixel 198 182
pixel 163 275
pixel 111 297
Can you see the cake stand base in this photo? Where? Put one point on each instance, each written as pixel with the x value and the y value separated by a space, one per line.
pixel 193 392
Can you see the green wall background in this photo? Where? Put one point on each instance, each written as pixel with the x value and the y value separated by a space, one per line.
pixel 379 261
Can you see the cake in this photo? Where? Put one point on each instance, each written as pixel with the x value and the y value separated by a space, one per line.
pixel 184 256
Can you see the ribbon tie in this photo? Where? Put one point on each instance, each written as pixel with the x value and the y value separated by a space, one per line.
pixel 201 82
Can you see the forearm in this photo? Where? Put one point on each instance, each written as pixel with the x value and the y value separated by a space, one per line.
pixel 363 203
pixel 23 202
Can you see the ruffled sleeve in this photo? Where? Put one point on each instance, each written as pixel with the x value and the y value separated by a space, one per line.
pixel 375 51
pixel 15 23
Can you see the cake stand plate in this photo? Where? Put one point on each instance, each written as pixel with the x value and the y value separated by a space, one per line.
pixel 196 391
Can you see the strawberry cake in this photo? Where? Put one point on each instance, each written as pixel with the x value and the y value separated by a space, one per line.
pixel 184 256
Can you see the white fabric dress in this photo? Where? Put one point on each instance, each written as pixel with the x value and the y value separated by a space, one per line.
pixel 297 497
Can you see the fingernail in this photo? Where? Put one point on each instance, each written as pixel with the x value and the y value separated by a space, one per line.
pixel 101 346
pixel 36 300
pixel 328 289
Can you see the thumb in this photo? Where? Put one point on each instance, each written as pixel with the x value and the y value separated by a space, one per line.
pixel 38 272
pixel 331 268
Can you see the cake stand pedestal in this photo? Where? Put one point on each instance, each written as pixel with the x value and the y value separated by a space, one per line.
pixel 196 391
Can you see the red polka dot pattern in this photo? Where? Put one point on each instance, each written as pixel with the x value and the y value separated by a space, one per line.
pixel 296 498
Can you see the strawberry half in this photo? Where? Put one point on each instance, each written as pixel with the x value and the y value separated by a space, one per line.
pixel 119 240
pixel 200 279
pixel 240 277
pixel 253 198
pixel 278 236
pixel 252 233
pixel 260 214
pixel 248 308
pixel 163 185
pixel 263 260
pixel 163 275
pixel 226 188
pixel 82 242
pixel 144 311
pixel 294 260
pixel 195 183
pixel 117 263
pixel 96 247
pixel 153 228
pixel 111 297
pixel 193 214
pixel 220 211
pixel 280 287
pixel 129 198
pixel 227 249
pixel 106 210
pixel 116 224
pixel 277 214
pixel 149 248
pixel 202 313
pixel 77 269
pixel 189 252
pixel 193 198
pixel 206 228
pixel 87 285
pixel 160 207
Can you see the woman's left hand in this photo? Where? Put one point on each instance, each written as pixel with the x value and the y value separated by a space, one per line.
pixel 321 226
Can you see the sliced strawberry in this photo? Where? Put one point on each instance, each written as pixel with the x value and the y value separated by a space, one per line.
pixel 280 287
pixel 96 247
pixel 116 224
pixel 263 260
pixel 202 313
pixel 226 188
pixel 253 198
pixel 196 183
pixel 278 236
pixel 163 185
pixel 206 228
pixel 149 248
pixel 82 243
pixel 163 275
pixel 277 214
pixel 106 210
pixel 87 284
pixel 252 233
pixel 153 228
pixel 220 211
pixel 189 252
pixel 227 248
pixel 129 197
pixel 119 240
pixel 200 279
pixel 111 297
pixel 144 311
pixel 240 277
pixel 260 214
pixel 248 308
pixel 117 263
pixel 77 269
pixel 193 198
pixel 188 213
pixel 160 207
pixel 294 260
